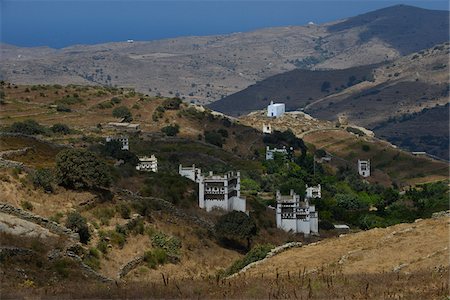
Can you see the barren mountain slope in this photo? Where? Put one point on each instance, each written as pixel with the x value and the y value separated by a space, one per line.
pixel 208 68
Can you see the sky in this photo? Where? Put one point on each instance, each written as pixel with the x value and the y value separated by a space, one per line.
pixel 61 23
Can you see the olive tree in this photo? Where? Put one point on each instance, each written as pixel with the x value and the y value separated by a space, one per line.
pixel 81 169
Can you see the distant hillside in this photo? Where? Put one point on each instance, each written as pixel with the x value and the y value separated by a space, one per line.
pixel 423 131
pixel 296 88
pixel 371 96
pixel 205 69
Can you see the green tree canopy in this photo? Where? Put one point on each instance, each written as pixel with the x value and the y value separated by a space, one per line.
pixel 236 225
pixel 122 112
pixel 77 168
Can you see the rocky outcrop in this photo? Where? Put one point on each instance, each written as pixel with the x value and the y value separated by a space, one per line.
pixel 27 216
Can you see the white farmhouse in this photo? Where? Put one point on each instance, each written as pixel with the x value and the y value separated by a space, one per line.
pixel 364 168
pixel 148 164
pixel 295 215
pixel 275 110
pixel 122 139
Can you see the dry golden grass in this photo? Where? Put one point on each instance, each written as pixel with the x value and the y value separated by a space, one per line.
pixel 415 247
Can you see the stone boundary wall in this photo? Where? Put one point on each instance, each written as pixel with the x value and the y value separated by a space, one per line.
pixel 51 226
pixel 15 251
pixel 169 207
pixel 272 253
pixel 88 270
pixel 126 268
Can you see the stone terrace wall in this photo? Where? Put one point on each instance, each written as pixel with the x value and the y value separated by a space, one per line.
pixel 51 226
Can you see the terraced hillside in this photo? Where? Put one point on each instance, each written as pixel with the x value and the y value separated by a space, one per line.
pixel 389 164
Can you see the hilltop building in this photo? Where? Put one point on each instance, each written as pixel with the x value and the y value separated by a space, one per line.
pixel 275 110
pixel 121 139
pixel 295 215
pixel 270 153
pixel 148 164
pixel 313 192
pixel 267 129
pixel 364 168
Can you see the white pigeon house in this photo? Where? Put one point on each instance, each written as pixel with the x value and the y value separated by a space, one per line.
pixel 275 110
pixel 364 168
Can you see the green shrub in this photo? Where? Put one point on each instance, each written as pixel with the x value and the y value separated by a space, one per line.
pixel 155 257
pixel 171 130
pixel 169 243
pixel 56 217
pixel 30 127
pixel 105 105
pixel 124 210
pixel 63 108
pixel 60 128
pixel 122 112
pixel 214 138
pixel 257 253
pixel 173 103
pixel 135 226
pixel 102 246
pixel 26 205
pixel 104 214
pixel 115 100
pixel 78 223
pixel 70 100
pixel 78 168
pixel 43 178
pixel 236 225
pixel 223 132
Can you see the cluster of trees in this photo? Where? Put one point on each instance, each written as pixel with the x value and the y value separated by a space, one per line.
pixel 31 127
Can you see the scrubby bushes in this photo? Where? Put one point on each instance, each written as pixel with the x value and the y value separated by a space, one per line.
pixel 122 112
pixel 78 223
pixel 236 226
pixel 43 178
pixel 257 253
pixel 60 128
pixel 171 130
pixel 30 127
pixel 172 103
pixel 214 138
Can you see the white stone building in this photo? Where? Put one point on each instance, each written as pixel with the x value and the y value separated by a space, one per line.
pixel 364 168
pixel 193 173
pixel 221 191
pixel 295 215
pixel 313 192
pixel 270 153
pixel 148 164
pixel 275 110
pixel 121 139
pixel 267 129
pixel 216 191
